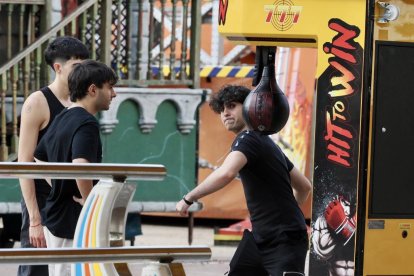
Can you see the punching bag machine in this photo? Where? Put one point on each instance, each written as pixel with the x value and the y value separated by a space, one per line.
pixel 266 108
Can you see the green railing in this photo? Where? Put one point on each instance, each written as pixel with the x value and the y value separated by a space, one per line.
pixel 147 42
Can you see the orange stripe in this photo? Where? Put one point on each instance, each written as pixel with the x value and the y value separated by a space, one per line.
pixel 94 222
pixel 86 244
pixel 95 267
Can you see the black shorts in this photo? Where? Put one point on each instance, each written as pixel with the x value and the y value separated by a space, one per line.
pixel 286 254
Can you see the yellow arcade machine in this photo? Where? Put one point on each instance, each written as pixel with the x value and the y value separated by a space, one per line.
pixel 362 209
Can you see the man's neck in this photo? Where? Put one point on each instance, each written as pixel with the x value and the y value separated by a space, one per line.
pixel 60 90
pixel 240 131
pixel 85 106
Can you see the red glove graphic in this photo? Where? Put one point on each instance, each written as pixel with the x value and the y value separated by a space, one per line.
pixel 338 221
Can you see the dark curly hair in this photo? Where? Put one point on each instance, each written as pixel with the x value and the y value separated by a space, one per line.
pixel 65 48
pixel 226 95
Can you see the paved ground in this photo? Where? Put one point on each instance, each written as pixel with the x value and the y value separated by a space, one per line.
pixel 170 234
pixel 178 235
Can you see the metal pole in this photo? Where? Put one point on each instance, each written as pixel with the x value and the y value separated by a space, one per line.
pixel 102 255
pixel 117 172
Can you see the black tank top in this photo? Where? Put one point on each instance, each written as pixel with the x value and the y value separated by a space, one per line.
pixel 55 107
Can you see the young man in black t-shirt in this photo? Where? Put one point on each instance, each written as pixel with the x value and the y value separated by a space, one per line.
pixel 38 112
pixel 273 188
pixel 74 137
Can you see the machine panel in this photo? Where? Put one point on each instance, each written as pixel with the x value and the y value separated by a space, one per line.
pixel 393 131
pixel 388 233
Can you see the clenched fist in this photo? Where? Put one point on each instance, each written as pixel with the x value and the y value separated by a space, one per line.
pixel 338 221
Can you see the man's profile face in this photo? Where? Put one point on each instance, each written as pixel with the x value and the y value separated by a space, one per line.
pixel 104 96
pixel 232 117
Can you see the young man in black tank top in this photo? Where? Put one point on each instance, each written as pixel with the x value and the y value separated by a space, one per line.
pixel 74 137
pixel 273 188
pixel 38 111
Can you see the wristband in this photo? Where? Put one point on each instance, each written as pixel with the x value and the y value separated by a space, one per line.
pixel 35 225
pixel 187 201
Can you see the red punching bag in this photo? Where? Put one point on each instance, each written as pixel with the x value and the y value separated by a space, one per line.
pixel 266 108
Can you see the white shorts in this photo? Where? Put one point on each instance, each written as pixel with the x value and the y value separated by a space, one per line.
pixel 55 242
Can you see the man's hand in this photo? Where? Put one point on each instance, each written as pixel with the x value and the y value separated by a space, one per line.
pixel 37 237
pixel 338 221
pixel 182 207
pixel 79 200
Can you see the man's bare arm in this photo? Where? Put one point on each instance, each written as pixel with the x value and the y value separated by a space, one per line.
pixel 219 178
pixel 33 116
pixel 84 186
pixel 301 185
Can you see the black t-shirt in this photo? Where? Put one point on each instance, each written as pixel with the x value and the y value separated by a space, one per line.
pixel 266 182
pixel 73 134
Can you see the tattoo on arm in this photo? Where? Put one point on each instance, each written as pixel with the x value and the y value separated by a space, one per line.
pixel 29 109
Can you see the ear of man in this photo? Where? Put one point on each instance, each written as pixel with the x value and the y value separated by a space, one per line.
pixel 92 89
pixel 57 67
